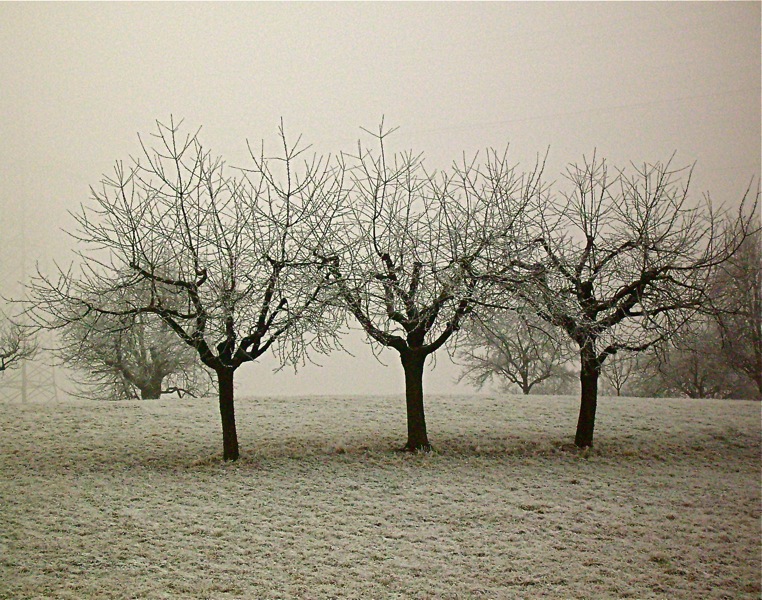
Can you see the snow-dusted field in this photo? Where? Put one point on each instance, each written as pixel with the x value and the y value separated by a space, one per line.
pixel 131 500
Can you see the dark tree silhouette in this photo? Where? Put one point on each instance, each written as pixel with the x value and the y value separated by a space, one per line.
pixel 228 262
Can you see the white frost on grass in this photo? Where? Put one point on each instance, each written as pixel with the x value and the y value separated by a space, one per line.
pixel 131 500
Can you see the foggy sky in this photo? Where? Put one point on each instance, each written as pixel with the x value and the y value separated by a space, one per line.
pixel 633 81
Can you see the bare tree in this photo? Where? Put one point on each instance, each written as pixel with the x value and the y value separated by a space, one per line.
pixel 691 364
pixel 738 297
pixel 130 356
pixel 619 370
pixel 715 355
pixel 622 262
pixel 564 382
pixel 228 262
pixel 511 347
pixel 399 258
pixel 694 363
pixel 16 343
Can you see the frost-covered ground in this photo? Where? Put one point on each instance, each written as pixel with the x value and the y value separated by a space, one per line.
pixel 131 500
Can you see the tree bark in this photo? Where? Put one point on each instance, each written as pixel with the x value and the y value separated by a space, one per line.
pixel 590 370
pixel 227 412
pixel 756 375
pixel 758 381
pixel 417 438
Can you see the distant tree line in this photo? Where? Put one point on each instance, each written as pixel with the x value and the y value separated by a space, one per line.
pixel 186 266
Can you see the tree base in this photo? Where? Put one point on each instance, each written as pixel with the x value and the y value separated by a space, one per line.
pixel 410 449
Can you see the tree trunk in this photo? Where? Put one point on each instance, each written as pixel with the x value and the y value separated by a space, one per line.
pixel 227 412
pixel 590 370
pixel 757 370
pixel 152 391
pixel 417 439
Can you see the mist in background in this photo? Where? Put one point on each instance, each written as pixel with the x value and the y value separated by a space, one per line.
pixel 631 81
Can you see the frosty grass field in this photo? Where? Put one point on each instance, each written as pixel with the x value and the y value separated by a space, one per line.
pixel 132 500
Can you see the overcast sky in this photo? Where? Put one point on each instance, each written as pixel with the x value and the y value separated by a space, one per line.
pixel 636 81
